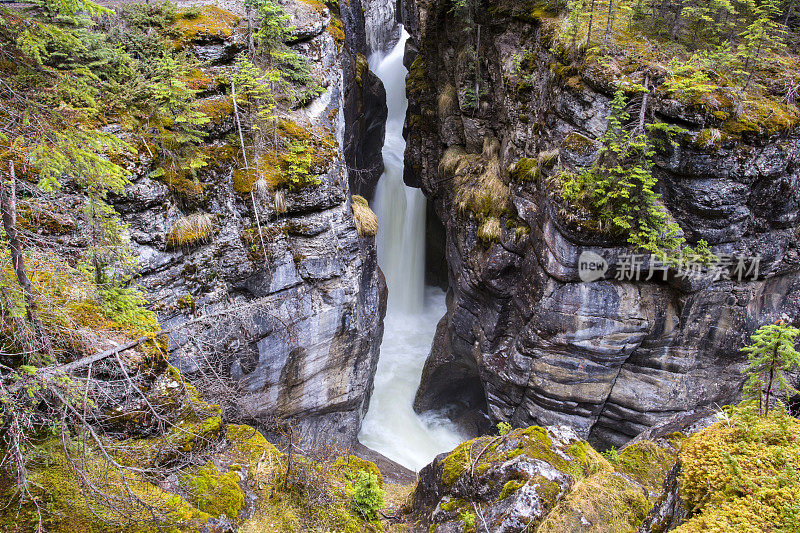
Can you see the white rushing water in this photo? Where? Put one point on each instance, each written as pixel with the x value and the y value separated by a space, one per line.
pixel 391 427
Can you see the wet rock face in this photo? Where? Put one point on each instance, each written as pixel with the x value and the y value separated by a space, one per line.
pixel 292 296
pixel 365 100
pixel 610 357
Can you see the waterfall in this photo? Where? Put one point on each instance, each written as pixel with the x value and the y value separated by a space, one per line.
pixel 400 209
pixel 391 427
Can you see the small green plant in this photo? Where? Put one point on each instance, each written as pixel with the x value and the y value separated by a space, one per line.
pixel 612 454
pixel 126 306
pixel 300 165
pixel 472 98
pixel 367 495
pixel 469 521
pixel 503 428
pixel 770 356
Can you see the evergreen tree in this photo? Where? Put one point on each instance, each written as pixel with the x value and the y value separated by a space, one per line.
pixel 771 354
pixel 166 112
pixel 572 25
pixel 763 35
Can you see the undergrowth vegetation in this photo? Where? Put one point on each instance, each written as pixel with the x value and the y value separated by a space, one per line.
pixel 97 431
pixel 743 474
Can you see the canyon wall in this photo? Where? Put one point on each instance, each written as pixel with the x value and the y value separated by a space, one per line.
pixel 492 111
pixel 279 311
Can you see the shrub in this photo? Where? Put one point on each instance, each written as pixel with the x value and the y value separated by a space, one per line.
pixel 126 306
pixel 190 230
pixel 367 495
pixel 366 221
pixel 503 428
pixel 770 356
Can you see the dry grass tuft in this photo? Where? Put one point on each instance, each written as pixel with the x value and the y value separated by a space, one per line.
pixel 448 101
pixel 190 230
pixel 279 203
pixel 366 221
pixel 490 230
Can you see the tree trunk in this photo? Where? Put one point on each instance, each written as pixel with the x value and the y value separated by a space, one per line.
pixel 772 366
pixel 643 111
pixel 751 59
pixel 676 23
pixel 251 46
pixel 788 14
pixel 8 206
pixel 609 21
pixel 591 18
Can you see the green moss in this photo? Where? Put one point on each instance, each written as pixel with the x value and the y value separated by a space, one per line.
pixel 646 463
pixel 575 142
pixel 511 486
pixel 250 445
pixel 218 109
pixel 211 21
pixel 456 504
pixel 213 492
pixel 455 464
pixel 66 508
pixel 417 81
pixel 336 30
pixel 362 66
pixel 525 170
pixel 603 503
pixel 742 475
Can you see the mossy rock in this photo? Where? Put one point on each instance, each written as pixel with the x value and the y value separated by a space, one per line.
pixel 578 144
pixel 524 170
pixel 250 446
pixel 362 67
pixel 210 23
pixel 213 492
pixel 603 503
pixel 417 81
pixel 646 463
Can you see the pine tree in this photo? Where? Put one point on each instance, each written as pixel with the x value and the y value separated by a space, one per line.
pixel 763 35
pixel 166 112
pixel 571 27
pixel 771 354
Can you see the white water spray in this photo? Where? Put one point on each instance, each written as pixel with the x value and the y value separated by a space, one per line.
pixel 391 427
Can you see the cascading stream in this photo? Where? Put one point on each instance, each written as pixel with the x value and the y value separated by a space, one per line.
pixel 391 427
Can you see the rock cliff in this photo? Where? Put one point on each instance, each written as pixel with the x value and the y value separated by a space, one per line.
pixel 492 111
pixel 283 300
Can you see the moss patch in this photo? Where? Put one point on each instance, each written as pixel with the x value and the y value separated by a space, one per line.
pixel 603 503
pixel 213 492
pixel 743 475
pixel 210 23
